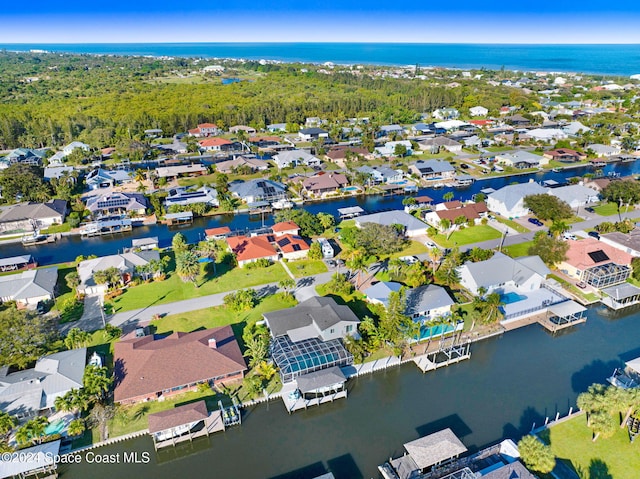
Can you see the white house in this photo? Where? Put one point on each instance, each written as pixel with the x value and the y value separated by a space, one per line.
pixel 67 150
pixel 547 134
pixel 478 111
pixel 412 225
pixel 521 159
pixel 286 159
pixel 125 263
pixel 426 303
pixel 382 174
pixel 604 150
pixel 310 134
pixel 575 195
pixel 29 287
pixel 508 201
pixel 389 148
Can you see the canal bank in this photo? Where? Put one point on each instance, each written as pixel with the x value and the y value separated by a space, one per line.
pixel 511 382
pixel 69 247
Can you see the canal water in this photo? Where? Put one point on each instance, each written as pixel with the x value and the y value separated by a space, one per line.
pixel 509 383
pixel 68 248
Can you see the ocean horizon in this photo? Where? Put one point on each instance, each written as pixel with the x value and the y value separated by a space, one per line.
pixel 596 59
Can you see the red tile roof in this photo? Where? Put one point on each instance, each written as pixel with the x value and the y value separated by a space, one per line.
pixel 214 142
pixel 249 248
pixel 147 365
pixel 207 125
pixel 291 243
pixel 578 254
pixel 222 230
pixel 185 414
pixel 284 226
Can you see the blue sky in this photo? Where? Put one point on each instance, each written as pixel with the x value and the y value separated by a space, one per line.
pixel 466 21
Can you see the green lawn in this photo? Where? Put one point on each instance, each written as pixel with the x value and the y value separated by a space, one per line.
pixel 517 250
pixel 498 149
pixel 589 297
pixel 614 458
pixel 610 209
pixel 512 224
pixel 414 248
pixel 475 234
pixel 307 267
pixel 63 228
pixel 174 289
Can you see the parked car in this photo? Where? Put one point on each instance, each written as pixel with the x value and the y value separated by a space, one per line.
pixel 594 234
pixel 535 221
pixel 569 236
pixel 464 166
pixel 590 209
pixel 409 259
pixel 581 285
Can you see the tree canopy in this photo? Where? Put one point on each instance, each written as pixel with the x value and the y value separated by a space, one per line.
pixel 550 249
pixel 627 192
pixel 23 337
pixel 548 207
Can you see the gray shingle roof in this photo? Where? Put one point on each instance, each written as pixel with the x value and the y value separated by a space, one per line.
pixel 257 188
pixel 425 298
pixel 381 290
pixel 501 269
pixel 320 379
pixel 411 223
pixel 21 211
pixel 124 262
pixel 435 448
pixel 432 166
pixel 29 284
pixel 510 195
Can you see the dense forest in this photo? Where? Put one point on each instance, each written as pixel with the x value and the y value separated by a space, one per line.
pixel 52 99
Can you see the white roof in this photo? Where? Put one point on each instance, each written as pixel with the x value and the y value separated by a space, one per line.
pixel 35 457
pixel 450 124
pixel 510 195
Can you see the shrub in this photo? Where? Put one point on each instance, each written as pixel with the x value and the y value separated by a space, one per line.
pixel 259 263
pixel 241 300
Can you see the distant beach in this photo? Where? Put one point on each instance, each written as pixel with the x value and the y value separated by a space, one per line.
pixel 614 60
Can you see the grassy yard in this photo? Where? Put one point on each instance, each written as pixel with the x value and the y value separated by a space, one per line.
pixel 65 297
pixel 355 301
pixel 517 250
pixel 475 234
pixel 414 248
pixel 610 209
pixel 615 457
pixel 307 267
pixel 499 149
pixel 512 224
pixel 590 297
pixel 174 289
pixel 63 228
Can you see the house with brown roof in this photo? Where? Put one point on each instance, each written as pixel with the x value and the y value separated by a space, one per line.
pixel 471 212
pixel 220 232
pixel 153 368
pixel 324 183
pixel 596 263
pixel 242 162
pixel 285 228
pixel 339 154
pixel 565 155
pixel 249 249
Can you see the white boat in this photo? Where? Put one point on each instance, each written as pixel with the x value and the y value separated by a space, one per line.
pixel 282 204
pixel 34 238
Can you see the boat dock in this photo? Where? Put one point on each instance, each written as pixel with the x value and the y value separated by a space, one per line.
pixel 176 219
pixel 106 226
pixel 212 424
pixel 449 352
pixel 314 389
pixel 36 238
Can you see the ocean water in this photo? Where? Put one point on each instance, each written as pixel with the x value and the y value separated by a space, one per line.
pixel 618 60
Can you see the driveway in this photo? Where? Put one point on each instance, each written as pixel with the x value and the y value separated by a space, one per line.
pixel 91 319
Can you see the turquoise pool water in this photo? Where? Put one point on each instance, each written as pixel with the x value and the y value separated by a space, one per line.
pixel 55 427
pixel 509 298
pixel 435 331
pixel 350 188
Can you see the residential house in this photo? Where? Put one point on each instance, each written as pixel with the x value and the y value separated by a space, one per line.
pixel 433 169
pixel 277 127
pixel 412 225
pixel 426 303
pixel 565 155
pixel 604 150
pixel 67 150
pixel 389 148
pixel 629 243
pixel 324 183
pixel 186 196
pixel 33 391
pixel 292 246
pixel 218 233
pixel 292 158
pixel 126 263
pixel 169 172
pixel 29 287
pixel 521 159
pixel 314 121
pixel 155 368
pixel 216 144
pixel 575 128
pixel 26 156
pixel 285 228
pixel 100 178
pixel 310 134
pixel 446 114
pixel 247 129
pixel 205 129
pixel 471 212
pixel 340 154
pixel 308 337
pixel 547 135
pixel 258 190
pixel 433 145
pixel 249 249
pixel 596 263
pixel 117 203
pixel 378 293
pixel 242 162
pixel 31 216
pixel 144 244
pixel 387 130
pixel 382 174
pixel 516 120
pixel 575 195
pixel 508 201
pixel 423 129
pixel 58 172
pixel 478 111
pixel 502 273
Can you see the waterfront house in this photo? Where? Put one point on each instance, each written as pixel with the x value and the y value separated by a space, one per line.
pixel 382 174
pixel 502 273
pixel 433 145
pixel 218 233
pixel 575 195
pixel 215 144
pixel 412 225
pixel 31 216
pixel 117 203
pixel 100 178
pixel 126 263
pixel 293 158
pixel 155 368
pixel 187 196
pixel 252 191
pixel 310 134
pixel 596 263
pixel 285 228
pixel 249 249
pixel 471 212
pixel 604 150
pixel 324 183
pixel 521 159
pixel 171 172
pixel 26 156
pixel 144 244
pixel 33 391
pixel 565 155
pixel 308 337
pixel 429 302
pixel 30 287
pixel 629 243
pixel 433 170
pixel 205 129
pixel 508 201
pixel 241 163
pixel 478 111
pixel 16 263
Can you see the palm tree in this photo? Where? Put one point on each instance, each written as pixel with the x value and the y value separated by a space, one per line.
pixel 99 417
pixel 7 423
pixel 187 266
pixel 493 303
pixel 287 284
pixel 356 262
pixel 63 403
pixel 209 249
pixel 32 431
pixel 96 381
pixel 76 338
pixel 256 349
pixel 396 266
pixel 435 255
pixel 603 424
pixel 558 227
pixel 266 370
pixel 76 427
pixel 448 196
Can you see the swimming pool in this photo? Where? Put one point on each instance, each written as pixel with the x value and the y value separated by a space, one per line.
pixel 56 427
pixel 435 331
pixel 511 297
pixel 350 188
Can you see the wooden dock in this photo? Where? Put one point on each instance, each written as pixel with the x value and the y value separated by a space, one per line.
pixel 553 327
pixel 443 357
pixel 214 423
pixel 294 403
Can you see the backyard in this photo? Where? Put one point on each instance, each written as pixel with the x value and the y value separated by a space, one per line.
pixel 226 278
pixel 468 235
pixel 610 209
pixel 307 267
pixel 614 458
pixel 517 250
